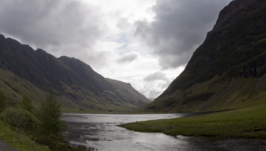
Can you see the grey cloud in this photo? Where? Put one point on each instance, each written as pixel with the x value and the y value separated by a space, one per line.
pixel 98 59
pixel 123 24
pixel 165 85
pixel 150 92
pixel 179 28
pixel 56 26
pixel 155 76
pixel 153 93
pixel 154 84
pixel 127 58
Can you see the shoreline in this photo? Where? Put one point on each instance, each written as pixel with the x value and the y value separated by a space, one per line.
pixel 241 123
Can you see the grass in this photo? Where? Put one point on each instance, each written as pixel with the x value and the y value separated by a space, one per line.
pixel 19 140
pixel 242 123
pixel 228 94
pixel 96 111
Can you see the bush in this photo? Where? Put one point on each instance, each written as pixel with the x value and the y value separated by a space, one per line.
pixel 20 119
pixel 26 104
pixel 2 101
pixel 49 114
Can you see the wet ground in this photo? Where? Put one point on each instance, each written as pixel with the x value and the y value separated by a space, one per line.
pixel 101 131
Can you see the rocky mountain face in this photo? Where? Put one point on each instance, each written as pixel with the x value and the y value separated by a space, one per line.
pixel 76 83
pixel 228 70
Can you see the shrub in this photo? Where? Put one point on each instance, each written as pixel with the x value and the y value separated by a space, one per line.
pixel 20 119
pixel 49 114
pixel 2 101
pixel 26 104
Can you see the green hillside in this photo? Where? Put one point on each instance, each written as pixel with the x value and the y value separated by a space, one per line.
pixel 79 88
pixel 228 70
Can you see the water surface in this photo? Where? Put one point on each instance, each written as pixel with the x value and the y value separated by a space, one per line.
pixel 101 131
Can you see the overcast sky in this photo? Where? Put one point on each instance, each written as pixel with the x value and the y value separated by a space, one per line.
pixel 143 42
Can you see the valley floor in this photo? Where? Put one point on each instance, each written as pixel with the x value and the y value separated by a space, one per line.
pixel 240 123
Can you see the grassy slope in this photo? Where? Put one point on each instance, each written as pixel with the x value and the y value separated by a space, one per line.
pixel 77 110
pixel 126 90
pixel 19 141
pixel 230 63
pixel 14 87
pixel 227 94
pixel 245 123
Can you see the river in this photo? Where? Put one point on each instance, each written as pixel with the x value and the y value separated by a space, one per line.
pixel 101 131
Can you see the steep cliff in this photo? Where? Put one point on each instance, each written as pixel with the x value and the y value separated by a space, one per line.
pixel 228 70
pixel 76 83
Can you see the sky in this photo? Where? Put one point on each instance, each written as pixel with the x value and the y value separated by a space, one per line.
pixel 143 42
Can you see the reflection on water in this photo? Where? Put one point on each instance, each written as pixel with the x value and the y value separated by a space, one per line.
pixel 101 131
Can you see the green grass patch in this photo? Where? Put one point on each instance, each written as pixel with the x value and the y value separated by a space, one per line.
pixel 19 140
pixel 95 111
pixel 242 123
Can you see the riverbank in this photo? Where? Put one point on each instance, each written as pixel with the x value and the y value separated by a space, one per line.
pixel 23 142
pixel 241 123
pixel 20 141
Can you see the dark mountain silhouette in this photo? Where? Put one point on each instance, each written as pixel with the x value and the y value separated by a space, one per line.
pixel 75 82
pixel 228 70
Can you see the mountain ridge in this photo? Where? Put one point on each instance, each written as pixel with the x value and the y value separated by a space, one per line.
pixel 233 52
pixel 73 80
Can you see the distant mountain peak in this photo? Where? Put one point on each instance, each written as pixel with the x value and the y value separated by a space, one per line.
pixel 76 83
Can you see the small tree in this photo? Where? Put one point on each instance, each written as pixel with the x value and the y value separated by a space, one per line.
pixel 26 104
pixel 2 101
pixel 49 114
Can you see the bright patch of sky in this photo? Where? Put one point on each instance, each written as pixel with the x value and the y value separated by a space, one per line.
pixel 143 42
pixel 121 15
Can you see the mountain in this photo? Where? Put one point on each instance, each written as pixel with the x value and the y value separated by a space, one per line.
pixel 228 70
pixel 127 91
pixel 151 99
pixel 76 83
